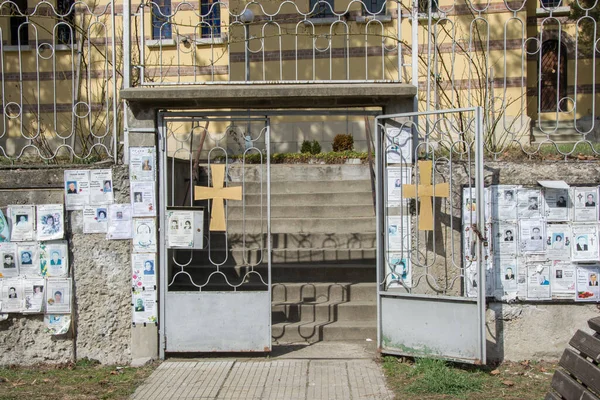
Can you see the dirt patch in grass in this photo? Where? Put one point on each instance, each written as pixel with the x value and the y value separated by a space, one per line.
pixel 435 380
pixel 83 380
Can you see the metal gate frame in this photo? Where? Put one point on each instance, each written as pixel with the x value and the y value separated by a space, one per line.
pixel 428 327
pixel 213 303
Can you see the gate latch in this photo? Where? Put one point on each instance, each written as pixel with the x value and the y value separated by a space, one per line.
pixel 480 236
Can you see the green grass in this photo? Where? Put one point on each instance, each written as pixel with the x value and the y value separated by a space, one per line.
pixel 435 376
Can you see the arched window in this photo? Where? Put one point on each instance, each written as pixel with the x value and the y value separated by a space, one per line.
pixel 553 78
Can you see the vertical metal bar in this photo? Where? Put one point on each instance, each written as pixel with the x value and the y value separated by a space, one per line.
pixel 379 161
pixel 162 256
pixel 479 187
pixel 114 85
pixel 126 44
pixel 399 42
pixel 142 65
pixel 269 241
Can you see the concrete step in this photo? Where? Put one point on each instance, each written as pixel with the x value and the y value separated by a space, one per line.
pixel 313 211
pixel 324 311
pixel 303 225
pixel 304 187
pixel 344 240
pixel 311 332
pixel 295 172
pixel 322 292
pixel 307 199
pixel 255 256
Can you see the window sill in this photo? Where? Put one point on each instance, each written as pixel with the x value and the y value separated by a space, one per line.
pixel 543 12
pixel 321 21
pixel 160 43
pixel 210 41
pixel 364 19
pixel 12 48
pixel 434 16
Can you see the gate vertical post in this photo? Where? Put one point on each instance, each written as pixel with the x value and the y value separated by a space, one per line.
pixel 379 212
pixel 162 255
pixel 480 195
pixel 269 239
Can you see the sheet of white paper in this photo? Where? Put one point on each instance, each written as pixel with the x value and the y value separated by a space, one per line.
pixel 29 259
pixel 95 219
pixel 180 229
pixel 531 236
pixel 101 187
pixel 58 296
pixel 504 202
pixel 398 233
pixel 399 271
pixel 144 308
pixel 33 290
pixel 398 146
pixel 469 206
pixel 529 203
pixel 12 295
pixel 57 324
pixel 143 202
pixel 396 177
pixel 563 279
pixel 538 282
pixel 77 189
pixel 505 238
pixel 54 259
pixel 585 204
pixel 144 235
pixel 554 184
pixel 22 221
pixel 4 229
pixel 587 283
pixel 585 242
pixel 142 163
pixel 557 204
pixel 143 273
pixel 506 275
pixel 120 222
pixel 558 241
pixel 521 278
pixel 50 222
pixel 9 266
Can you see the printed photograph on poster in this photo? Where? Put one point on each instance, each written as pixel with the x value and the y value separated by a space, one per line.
pixel 587 283
pixel 585 204
pixel 506 275
pixel 538 282
pixel 531 236
pixel 529 203
pixel 101 187
pixel 397 176
pixel 54 259
pixel 144 308
pixel 144 235
pixel 563 279
pixel 120 222
pixel 22 221
pixel 50 222
pixel 180 229
pixel 4 229
pixel 57 324
pixel 143 199
pixel 558 241
pixel 12 295
pixel 399 273
pixel 28 259
pixel 521 279
pixel 77 189
pixel 585 242
pixel 505 238
pixel 398 146
pixel 9 266
pixel 142 163
pixel 95 220
pixel 33 292
pixel 557 204
pixel 143 267
pixel 504 202
pixel 58 296
pixel 398 233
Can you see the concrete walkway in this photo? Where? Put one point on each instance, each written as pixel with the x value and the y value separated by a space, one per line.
pixel 281 378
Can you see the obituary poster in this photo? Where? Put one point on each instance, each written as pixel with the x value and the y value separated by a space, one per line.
pixel 120 222
pixel 33 293
pixel 143 273
pixel 505 238
pixel 50 222
pixel 144 308
pixel 506 275
pixel 398 233
pixel 531 236
pixel 142 163
pixel 12 295
pixel 470 206
pixel 22 221
pixel 563 279
pixel 54 259
pixel 585 242
pixel 558 241
pixel 557 204
pixel 397 176
pixel 77 189
pixel 57 324
pixel 538 282
pixel 58 296
pixel 144 235
pixel 95 219
pixel 398 146
pixel 4 229
pixel 587 283
pixel 399 271
pixel 504 202
pixel 585 204
pixel 180 229
pixel 143 201
pixel 9 267
pixel 529 203
pixel 29 259
pixel 101 187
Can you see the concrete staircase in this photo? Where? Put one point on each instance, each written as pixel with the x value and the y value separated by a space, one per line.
pixel 323 226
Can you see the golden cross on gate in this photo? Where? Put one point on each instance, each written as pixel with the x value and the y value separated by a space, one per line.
pixel 218 194
pixel 426 192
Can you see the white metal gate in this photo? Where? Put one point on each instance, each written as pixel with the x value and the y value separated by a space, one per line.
pixel 214 296
pixel 430 270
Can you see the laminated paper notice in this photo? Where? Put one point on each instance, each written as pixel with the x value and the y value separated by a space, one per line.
pixel 563 279
pixel 399 272
pixel 557 204
pixel 50 222
pixel 58 296
pixel 22 221
pixel 101 187
pixel 538 282
pixel 504 202
pixel 585 242
pixel 143 202
pixel 120 222
pixel 143 270
pixel 397 176
pixel 54 259
pixel 587 283
pixel 398 233
pixel 398 146
pixel 180 229
pixel 144 306
pixel 142 163
pixel 77 189
pixel 57 324
pixel 12 295
pixel 529 203
pixel 4 229
pixel 95 219
pixel 585 204
pixel 33 292
pixel 144 235
pixel 29 259
pixel 9 267
pixel 558 241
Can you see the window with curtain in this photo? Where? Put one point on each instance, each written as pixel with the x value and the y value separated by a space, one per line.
pixel 212 16
pixel 161 25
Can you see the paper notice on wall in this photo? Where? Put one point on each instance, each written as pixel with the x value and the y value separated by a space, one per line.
pixel 12 295
pixel 143 270
pixel 531 236
pixel 33 291
pixel 557 204
pixel 120 222
pixel 28 259
pixel 50 222
pixel 585 204
pixel 143 202
pixel 396 177
pixel 563 279
pixel 587 283
pixel 558 241
pixel 9 266
pixel 144 306
pixel 506 275
pixel 22 221
pixel 538 282
pixel 4 229
pixel 504 202
pixel 144 235
pixel 58 296
pixel 180 229
pixel 585 242
pixel 398 229
pixel 57 324
pixel 142 163
pixel 101 187
pixel 529 203
pixel 470 206
pixel 505 238
pixel 95 220
pixel 54 259
pixel 399 271
pixel 398 146
pixel 77 189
